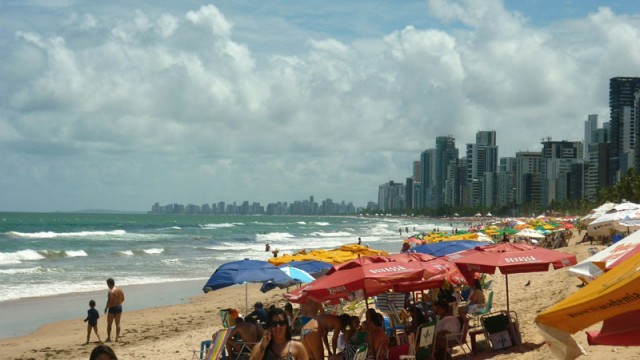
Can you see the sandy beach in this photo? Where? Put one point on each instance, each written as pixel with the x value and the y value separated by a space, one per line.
pixel 171 332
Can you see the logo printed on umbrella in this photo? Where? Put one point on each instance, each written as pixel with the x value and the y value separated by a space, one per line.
pixel 388 269
pixel 336 290
pixel 520 259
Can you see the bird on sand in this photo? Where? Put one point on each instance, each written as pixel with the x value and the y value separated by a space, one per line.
pixel 528 283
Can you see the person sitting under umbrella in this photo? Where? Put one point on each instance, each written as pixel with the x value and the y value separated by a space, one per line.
pixel 244 334
pixel 447 324
pixel 276 342
pixel 476 298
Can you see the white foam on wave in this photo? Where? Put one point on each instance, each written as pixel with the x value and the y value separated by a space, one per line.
pixel 216 226
pixel 51 234
pixel 275 236
pixel 171 261
pixel 153 251
pixel 19 256
pixel 227 246
pixel 126 252
pixel 301 223
pixel 330 234
pixel 76 253
pixel 31 270
pixel 321 223
pixel 19 291
pixel 170 228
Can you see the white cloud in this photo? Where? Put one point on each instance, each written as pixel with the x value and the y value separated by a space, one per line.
pixel 168 105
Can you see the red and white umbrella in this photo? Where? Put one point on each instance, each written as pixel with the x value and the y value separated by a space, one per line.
pixel 510 259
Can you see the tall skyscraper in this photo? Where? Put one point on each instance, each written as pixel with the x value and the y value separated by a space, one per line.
pixel 482 158
pixel 427 178
pixel 445 153
pixel 589 127
pixel 624 94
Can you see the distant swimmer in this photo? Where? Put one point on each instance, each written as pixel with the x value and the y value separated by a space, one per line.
pixel 275 252
pixel 267 247
pixel 359 241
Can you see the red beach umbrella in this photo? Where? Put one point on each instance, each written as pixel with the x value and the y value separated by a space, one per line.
pixel 510 259
pixel 372 279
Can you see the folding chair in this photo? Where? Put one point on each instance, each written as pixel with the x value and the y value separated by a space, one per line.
pixel 362 353
pixel 215 346
pixel 459 339
pixel 496 329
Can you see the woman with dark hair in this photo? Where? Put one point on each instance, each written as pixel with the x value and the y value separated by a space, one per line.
pixel 378 340
pixel 276 342
pixel 102 352
pixel 476 298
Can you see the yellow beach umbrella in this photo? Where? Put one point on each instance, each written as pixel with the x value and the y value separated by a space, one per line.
pixel 615 292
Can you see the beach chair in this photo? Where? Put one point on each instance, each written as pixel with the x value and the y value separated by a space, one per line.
pixel 459 339
pixel 228 317
pixel 214 347
pixel 362 353
pixel 425 341
pixel 496 330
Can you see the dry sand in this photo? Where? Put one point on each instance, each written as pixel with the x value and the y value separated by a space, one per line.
pixel 171 332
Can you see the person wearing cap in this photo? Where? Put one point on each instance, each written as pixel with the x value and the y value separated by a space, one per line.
pixel 259 313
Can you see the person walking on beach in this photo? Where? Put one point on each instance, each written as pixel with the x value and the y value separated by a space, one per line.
pixel 92 320
pixel 115 298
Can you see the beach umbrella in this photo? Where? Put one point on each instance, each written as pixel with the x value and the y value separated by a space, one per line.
pixel 437 272
pixel 594 266
pixel 298 275
pixel 313 267
pixel 367 279
pixel 614 298
pixel 448 247
pixel 510 259
pixel 623 221
pixel 244 272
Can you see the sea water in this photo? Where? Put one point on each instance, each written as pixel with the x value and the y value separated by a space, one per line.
pixel 48 254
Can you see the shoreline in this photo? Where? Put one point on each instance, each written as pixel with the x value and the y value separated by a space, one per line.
pixel 25 316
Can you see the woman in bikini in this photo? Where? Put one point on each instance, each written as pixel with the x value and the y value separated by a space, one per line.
pixel 276 342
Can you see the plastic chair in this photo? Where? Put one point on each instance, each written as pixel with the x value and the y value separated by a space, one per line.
pixel 459 339
pixel 204 347
pixel 362 353
pixel 214 348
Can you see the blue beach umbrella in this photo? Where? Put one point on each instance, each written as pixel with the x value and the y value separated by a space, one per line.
pixel 298 275
pixel 244 272
pixel 313 267
pixel 447 247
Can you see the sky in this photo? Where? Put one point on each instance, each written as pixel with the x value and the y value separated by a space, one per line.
pixel 118 104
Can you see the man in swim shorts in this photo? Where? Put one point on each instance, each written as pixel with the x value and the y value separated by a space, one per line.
pixel 113 308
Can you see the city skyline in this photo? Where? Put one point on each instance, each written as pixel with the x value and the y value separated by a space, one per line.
pixel 119 105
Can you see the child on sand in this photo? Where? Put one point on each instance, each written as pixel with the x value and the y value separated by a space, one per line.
pixel 92 320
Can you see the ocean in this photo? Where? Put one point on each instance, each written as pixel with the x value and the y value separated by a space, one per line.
pixel 58 254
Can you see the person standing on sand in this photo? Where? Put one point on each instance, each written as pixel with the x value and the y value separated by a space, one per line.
pixel 115 298
pixel 92 320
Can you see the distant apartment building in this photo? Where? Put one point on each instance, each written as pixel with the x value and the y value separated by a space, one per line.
pixel 558 159
pixel 482 164
pixel 527 176
pixel 391 196
pixel 624 95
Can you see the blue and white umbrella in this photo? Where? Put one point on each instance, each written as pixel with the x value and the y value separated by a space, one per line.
pixel 298 275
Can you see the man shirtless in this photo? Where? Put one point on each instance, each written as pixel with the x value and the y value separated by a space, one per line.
pixel 115 298
pixel 316 332
pixel 249 333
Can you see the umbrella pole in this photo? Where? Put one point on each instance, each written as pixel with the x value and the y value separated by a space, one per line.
pixel 246 300
pixel 507 282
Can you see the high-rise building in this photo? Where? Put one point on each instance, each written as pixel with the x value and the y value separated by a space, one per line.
pixel 527 180
pixel 624 94
pixel 427 178
pixel 391 196
pixel 589 127
pixel 558 157
pixel 446 154
pixel 482 158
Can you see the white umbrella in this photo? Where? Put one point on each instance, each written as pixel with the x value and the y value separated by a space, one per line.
pixel 618 221
pixel 528 233
pixel 594 266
